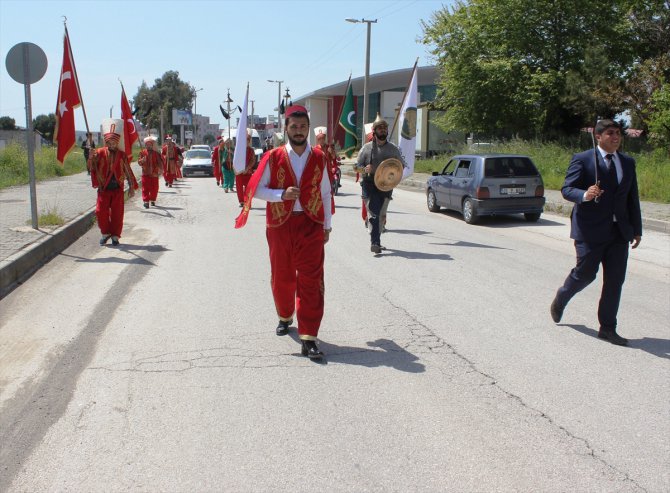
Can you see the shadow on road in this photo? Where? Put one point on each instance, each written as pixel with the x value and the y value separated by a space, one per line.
pixel 387 353
pixel 468 245
pixel 651 345
pixel 389 252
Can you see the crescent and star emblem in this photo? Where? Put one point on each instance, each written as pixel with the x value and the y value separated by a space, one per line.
pixel 349 116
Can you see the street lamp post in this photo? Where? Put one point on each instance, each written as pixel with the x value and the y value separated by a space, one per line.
pixel 367 69
pixel 195 115
pixel 279 82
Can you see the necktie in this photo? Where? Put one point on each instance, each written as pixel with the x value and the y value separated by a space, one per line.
pixel 612 179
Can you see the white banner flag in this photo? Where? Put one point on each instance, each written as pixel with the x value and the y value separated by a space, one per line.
pixel 240 155
pixel 407 126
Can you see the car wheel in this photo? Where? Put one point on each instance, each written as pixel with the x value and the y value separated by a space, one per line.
pixel 431 201
pixel 532 217
pixel 469 213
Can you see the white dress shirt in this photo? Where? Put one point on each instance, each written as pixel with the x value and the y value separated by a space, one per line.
pixel 298 163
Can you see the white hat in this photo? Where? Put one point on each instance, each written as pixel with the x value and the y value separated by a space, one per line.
pixel 320 130
pixel 112 128
pixel 152 138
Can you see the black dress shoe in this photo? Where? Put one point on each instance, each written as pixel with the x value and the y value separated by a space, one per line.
pixel 282 327
pixel 556 311
pixel 612 336
pixel 105 239
pixel 311 350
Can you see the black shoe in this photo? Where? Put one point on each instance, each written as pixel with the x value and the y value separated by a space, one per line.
pixel 376 248
pixel 311 350
pixel 612 336
pixel 282 327
pixel 105 239
pixel 146 205
pixel 153 203
pixel 556 311
pixel 115 241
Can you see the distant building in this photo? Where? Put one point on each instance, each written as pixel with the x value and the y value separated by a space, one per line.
pixel 385 94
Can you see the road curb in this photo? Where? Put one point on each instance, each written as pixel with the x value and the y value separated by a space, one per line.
pixel 17 268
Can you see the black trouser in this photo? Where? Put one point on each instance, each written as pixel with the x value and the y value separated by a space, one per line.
pixel 613 254
pixel 374 200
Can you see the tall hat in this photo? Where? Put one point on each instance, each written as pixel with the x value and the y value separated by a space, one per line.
pixel 168 137
pixel 150 138
pixel 379 121
pixel 320 131
pixel 112 129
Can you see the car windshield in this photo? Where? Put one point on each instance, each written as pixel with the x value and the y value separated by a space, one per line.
pixel 198 154
pixel 501 167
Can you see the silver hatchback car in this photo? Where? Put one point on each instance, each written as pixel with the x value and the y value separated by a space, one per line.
pixel 487 185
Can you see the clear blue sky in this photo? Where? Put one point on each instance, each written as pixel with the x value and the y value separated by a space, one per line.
pixel 214 45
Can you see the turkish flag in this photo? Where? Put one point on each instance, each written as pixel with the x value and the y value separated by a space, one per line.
pixel 129 130
pixel 68 100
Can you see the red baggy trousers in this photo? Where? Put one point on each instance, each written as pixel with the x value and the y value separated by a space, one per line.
pixel 109 211
pixel 296 261
pixel 149 188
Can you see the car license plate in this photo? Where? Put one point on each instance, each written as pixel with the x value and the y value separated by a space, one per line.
pixel 512 190
pixel 199 173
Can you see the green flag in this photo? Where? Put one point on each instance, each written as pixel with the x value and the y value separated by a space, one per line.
pixel 348 123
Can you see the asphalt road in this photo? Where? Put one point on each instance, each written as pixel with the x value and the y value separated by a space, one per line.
pixel 154 366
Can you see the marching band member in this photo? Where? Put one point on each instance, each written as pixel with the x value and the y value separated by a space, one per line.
pixel 216 162
pixel 369 158
pixel 109 167
pixel 293 180
pixel 172 158
pixel 242 179
pixel 151 162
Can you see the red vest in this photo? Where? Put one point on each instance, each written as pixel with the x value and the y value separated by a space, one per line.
pixel 282 176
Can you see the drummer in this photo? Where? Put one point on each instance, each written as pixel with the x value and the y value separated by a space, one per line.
pixel 369 158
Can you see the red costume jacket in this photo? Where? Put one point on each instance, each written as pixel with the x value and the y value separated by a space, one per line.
pixel 172 159
pixel 151 162
pixel 103 168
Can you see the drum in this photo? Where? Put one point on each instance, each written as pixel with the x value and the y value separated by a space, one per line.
pixel 388 174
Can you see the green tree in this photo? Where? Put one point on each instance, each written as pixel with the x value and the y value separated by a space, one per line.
pixel 168 92
pixel 659 121
pixel 517 67
pixel 45 125
pixel 7 123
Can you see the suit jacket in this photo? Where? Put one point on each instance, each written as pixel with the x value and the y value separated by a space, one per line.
pixel 592 221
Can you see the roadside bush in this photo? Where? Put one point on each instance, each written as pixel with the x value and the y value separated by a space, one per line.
pixel 14 165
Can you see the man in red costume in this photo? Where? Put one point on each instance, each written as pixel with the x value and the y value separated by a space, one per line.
pixel 109 167
pixel 216 163
pixel 172 158
pixel 151 162
pixel 242 179
pixel 294 182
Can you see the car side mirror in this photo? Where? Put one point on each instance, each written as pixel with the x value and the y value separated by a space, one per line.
pixel 435 173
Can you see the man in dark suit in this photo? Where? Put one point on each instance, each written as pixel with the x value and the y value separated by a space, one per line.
pixel 605 219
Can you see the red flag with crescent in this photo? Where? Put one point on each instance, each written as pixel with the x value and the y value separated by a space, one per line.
pixel 68 100
pixel 129 130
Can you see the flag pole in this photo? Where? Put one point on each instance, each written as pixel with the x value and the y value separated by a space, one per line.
pixel 397 117
pixel 339 115
pixel 74 69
